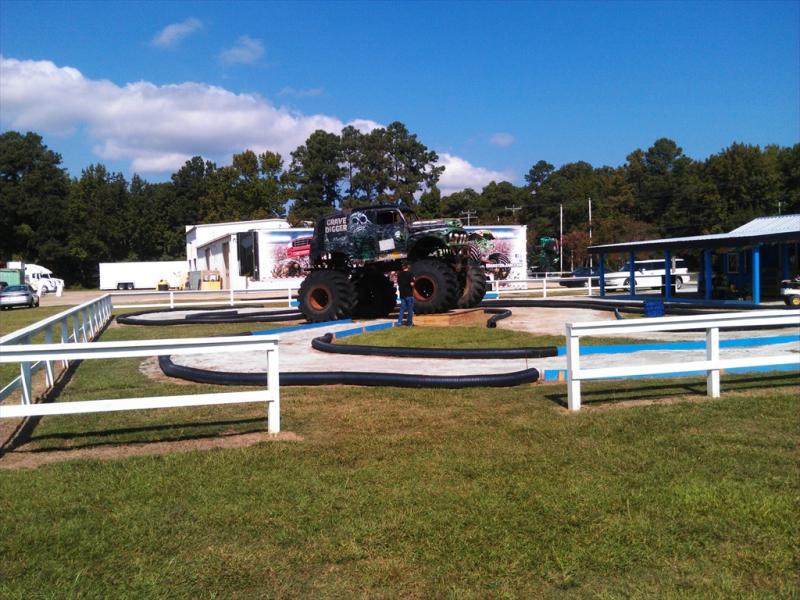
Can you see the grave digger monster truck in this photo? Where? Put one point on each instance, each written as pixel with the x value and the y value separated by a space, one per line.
pixel 353 250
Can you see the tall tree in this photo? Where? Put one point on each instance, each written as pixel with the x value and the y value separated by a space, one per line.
pixel 98 229
pixel 314 176
pixel 412 166
pixel 33 198
pixel 430 204
pixel 748 183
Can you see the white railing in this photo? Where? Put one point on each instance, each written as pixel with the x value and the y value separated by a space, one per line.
pixel 172 298
pixel 79 324
pixel 711 365
pixel 541 286
pixel 28 354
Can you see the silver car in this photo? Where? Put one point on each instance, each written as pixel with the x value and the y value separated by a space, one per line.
pixel 18 295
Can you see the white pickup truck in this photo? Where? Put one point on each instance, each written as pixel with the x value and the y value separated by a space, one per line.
pixel 648 274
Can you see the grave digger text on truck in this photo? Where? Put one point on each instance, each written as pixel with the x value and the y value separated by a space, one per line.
pixel 353 251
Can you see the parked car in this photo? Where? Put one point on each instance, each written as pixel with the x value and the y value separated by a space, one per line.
pixel 18 295
pixel 649 273
pixel 581 275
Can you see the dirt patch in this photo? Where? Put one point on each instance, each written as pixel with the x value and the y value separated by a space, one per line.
pixel 23 458
pixel 150 369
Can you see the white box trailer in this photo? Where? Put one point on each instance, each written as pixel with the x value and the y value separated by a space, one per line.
pixel 141 275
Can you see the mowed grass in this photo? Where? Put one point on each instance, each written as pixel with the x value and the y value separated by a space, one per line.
pixel 417 493
pixel 469 337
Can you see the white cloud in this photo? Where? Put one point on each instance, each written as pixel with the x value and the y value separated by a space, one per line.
pixel 173 34
pixel 159 127
pixel 290 91
pixel 460 174
pixel 246 51
pixel 502 139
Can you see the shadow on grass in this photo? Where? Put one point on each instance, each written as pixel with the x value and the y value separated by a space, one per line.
pixel 630 390
pixel 185 437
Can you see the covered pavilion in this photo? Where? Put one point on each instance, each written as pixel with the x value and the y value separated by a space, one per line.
pixel 750 261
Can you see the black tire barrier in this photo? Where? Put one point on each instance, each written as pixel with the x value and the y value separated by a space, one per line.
pixel 226 315
pixel 324 343
pixel 628 306
pixel 350 378
pixel 498 315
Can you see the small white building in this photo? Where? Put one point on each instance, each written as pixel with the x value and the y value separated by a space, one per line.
pixel 243 252
pixel 260 254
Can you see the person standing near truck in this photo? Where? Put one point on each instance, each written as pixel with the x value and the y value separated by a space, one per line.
pixel 405 287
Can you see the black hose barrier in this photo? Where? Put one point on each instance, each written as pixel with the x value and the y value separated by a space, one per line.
pixel 324 343
pixel 220 315
pixel 350 378
pixel 498 314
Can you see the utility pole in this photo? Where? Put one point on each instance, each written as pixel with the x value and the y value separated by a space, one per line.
pixel 561 237
pixel 513 210
pixel 468 214
pixel 590 232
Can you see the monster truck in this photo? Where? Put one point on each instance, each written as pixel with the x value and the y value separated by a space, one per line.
pixel 353 250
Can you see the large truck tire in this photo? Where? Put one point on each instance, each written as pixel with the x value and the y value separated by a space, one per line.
pixel 376 297
pixel 326 295
pixel 473 287
pixel 436 288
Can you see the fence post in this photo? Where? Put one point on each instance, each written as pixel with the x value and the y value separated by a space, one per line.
pixel 544 285
pixel 589 285
pixel 48 364
pixel 273 388
pixel 289 300
pixel 64 338
pixel 712 354
pixel 573 364
pixel 231 295
pixel 25 377
pixel 171 299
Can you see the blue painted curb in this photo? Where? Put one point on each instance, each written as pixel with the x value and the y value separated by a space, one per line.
pixel 364 329
pixel 299 327
pixel 561 374
pixel 696 345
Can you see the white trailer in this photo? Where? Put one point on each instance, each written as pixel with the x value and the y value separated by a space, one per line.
pixel 141 275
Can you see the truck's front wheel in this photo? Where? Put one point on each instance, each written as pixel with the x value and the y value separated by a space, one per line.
pixel 435 286
pixel 326 296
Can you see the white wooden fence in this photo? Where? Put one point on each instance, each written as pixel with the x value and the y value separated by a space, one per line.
pixel 711 365
pixel 175 298
pixel 78 324
pixel 29 354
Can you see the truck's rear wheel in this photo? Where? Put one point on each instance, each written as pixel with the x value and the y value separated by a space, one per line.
pixel 435 286
pixel 326 296
pixel 375 295
pixel 473 287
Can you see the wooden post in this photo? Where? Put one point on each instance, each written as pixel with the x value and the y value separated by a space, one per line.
pixel 712 353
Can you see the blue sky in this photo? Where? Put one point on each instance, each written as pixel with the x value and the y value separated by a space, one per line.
pixel 492 87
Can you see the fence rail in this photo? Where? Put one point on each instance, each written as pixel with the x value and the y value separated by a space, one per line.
pixel 78 324
pixel 712 364
pixel 28 354
pixel 172 298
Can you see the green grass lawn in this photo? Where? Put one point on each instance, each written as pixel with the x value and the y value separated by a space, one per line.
pixel 469 337
pixel 416 493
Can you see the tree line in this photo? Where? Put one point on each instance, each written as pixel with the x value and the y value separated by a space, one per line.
pixel 72 224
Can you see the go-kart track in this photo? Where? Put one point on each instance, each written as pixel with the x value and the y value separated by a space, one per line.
pixel 302 364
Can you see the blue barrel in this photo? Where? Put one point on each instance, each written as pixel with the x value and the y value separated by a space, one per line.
pixel 653 308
